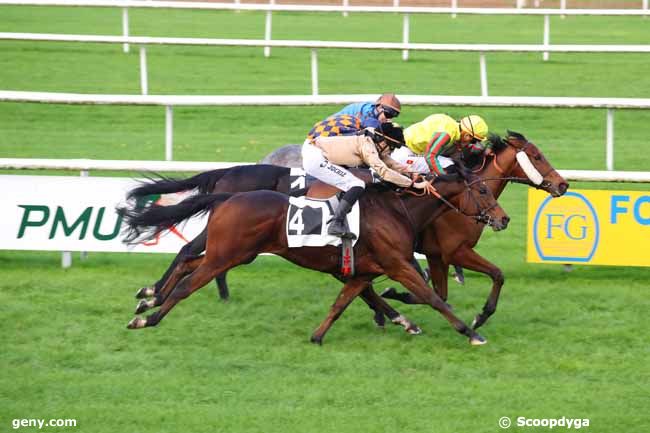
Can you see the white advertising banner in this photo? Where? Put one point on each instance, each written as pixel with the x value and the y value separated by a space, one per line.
pixel 66 213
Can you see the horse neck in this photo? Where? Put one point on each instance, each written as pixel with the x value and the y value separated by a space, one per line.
pixel 505 161
pixel 423 209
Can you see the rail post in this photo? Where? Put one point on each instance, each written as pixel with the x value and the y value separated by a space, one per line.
pixel 483 67
pixel 609 151
pixel 314 72
pixel 547 35
pixel 267 30
pixel 125 28
pixel 405 36
pixel 169 124
pixel 144 84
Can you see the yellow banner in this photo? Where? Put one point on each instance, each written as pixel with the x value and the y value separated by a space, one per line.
pixel 590 227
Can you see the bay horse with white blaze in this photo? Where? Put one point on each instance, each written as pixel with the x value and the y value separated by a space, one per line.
pixel 452 237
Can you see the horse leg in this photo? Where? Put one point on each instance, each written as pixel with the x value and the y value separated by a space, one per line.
pixel 187 266
pixel 439 276
pixel 225 250
pixel 381 307
pixel 201 276
pixel 379 318
pixel 470 259
pixel 406 297
pixel 459 275
pixel 222 285
pixel 350 290
pixel 192 248
pixel 410 279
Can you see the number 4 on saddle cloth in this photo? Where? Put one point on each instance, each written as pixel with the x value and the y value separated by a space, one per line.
pixel 307 221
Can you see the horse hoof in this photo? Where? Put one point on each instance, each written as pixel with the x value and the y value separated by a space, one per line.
pixel 379 320
pixel 136 323
pixel 414 330
pixel 317 340
pixel 144 292
pixel 477 340
pixel 143 306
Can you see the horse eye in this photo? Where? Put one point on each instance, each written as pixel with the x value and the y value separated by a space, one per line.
pixel 538 157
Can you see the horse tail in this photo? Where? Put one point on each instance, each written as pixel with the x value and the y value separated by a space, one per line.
pixel 144 223
pixel 204 182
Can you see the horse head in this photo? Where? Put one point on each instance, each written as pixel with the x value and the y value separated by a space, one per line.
pixel 534 167
pixel 475 199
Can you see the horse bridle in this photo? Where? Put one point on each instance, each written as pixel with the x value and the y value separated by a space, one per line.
pixel 481 217
pixel 522 180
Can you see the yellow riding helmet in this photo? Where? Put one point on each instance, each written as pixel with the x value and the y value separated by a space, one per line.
pixel 475 126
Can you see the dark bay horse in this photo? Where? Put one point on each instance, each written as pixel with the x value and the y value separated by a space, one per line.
pixel 231 180
pixel 241 226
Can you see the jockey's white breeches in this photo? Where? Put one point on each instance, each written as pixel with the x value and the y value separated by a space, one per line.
pixel 417 163
pixel 316 165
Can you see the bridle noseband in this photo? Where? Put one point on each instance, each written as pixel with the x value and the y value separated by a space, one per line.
pixel 482 216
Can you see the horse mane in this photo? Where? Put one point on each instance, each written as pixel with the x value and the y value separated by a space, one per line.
pixel 497 143
pixel 476 160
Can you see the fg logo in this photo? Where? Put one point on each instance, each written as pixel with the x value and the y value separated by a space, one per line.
pixel 566 229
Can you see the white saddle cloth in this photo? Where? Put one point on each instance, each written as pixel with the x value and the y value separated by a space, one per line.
pixel 307 221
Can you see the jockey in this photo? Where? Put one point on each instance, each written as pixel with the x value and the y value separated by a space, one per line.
pixel 431 142
pixel 326 158
pixel 338 124
pixel 373 114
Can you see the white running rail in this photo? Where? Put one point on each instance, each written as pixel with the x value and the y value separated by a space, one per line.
pixel 345 8
pixel 193 166
pixel 314 45
pixel 168 101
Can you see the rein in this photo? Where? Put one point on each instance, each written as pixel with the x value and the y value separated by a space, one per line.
pixel 482 216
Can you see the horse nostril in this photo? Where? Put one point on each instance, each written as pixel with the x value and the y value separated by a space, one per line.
pixel 563 187
pixel 505 220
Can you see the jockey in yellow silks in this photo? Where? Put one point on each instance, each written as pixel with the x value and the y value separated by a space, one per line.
pixel 429 143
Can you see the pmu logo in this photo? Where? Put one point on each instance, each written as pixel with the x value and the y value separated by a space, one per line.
pixel 566 229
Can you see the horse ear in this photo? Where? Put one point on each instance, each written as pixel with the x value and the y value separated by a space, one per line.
pixel 516 135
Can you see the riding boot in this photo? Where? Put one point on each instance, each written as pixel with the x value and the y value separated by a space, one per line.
pixel 338 226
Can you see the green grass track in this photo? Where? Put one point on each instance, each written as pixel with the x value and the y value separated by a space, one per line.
pixel 561 344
